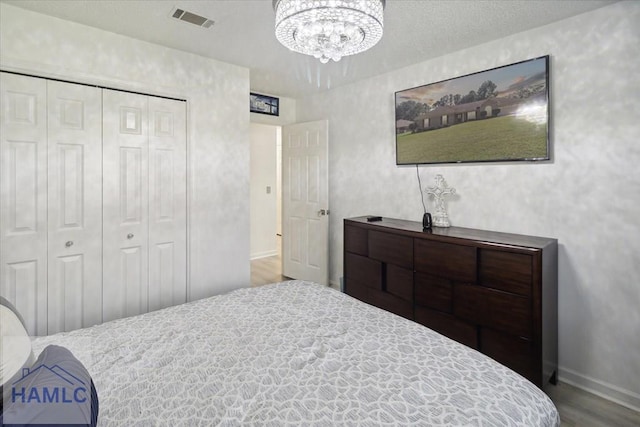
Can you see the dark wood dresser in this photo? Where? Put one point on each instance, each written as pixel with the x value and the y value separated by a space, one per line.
pixel 495 292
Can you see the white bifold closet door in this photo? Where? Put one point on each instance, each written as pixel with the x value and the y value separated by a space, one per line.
pixel 23 198
pixel 50 209
pixel 92 202
pixel 74 206
pixel 144 205
pixel 167 203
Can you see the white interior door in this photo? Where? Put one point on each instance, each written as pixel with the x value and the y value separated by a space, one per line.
pixel 305 194
pixel 125 204
pixel 23 197
pixel 167 203
pixel 75 206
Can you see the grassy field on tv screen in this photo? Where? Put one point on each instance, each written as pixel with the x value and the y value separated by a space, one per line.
pixel 495 139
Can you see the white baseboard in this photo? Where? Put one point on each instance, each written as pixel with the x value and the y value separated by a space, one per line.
pixel 333 284
pixel 607 391
pixel 263 254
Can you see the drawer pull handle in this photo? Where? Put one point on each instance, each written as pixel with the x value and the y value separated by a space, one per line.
pixel 130 236
pixel 69 244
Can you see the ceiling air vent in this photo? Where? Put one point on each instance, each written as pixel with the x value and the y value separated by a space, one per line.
pixel 191 18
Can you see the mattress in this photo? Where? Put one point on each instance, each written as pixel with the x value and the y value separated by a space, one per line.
pixel 294 353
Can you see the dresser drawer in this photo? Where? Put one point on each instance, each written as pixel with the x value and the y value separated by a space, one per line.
pixel 357 290
pixel 391 303
pixel 499 310
pixel 399 282
pixel 355 240
pixel 507 271
pixel 448 325
pixel 514 352
pixel 454 262
pixel 391 248
pixel 364 270
pixel 433 292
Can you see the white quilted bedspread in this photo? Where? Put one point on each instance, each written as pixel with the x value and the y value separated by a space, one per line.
pixel 294 354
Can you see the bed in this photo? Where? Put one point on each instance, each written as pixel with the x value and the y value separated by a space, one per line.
pixel 294 353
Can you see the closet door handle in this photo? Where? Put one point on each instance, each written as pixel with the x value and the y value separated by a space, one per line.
pixel 130 236
pixel 69 244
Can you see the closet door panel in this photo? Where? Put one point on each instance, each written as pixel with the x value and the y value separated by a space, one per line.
pixel 133 291
pixel 125 204
pixel 167 203
pixel 75 206
pixel 23 197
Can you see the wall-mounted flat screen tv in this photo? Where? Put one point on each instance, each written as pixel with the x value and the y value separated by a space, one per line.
pixel 497 115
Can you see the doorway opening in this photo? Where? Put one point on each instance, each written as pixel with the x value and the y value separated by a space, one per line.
pixel 266 204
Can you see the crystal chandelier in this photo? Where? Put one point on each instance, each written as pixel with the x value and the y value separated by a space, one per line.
pixel 329 29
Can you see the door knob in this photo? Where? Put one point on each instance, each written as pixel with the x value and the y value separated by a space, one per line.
pixel 130 236
pixel 323 212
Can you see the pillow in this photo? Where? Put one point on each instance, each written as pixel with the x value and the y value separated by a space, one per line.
pixel 57 389
pixel 6 303
pixel 15 344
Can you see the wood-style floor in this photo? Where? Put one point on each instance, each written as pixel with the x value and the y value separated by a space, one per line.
pixel 580 408
pixel 266 270
pixel 577 407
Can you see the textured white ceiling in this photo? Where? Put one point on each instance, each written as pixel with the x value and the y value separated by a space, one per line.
pixel 243 33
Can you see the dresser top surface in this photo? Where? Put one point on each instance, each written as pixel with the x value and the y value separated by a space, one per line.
pixel 414 229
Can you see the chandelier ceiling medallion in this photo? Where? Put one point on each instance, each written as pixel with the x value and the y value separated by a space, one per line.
pixel 329 29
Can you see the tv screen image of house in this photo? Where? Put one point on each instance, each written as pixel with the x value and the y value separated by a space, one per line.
pixel 501 114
